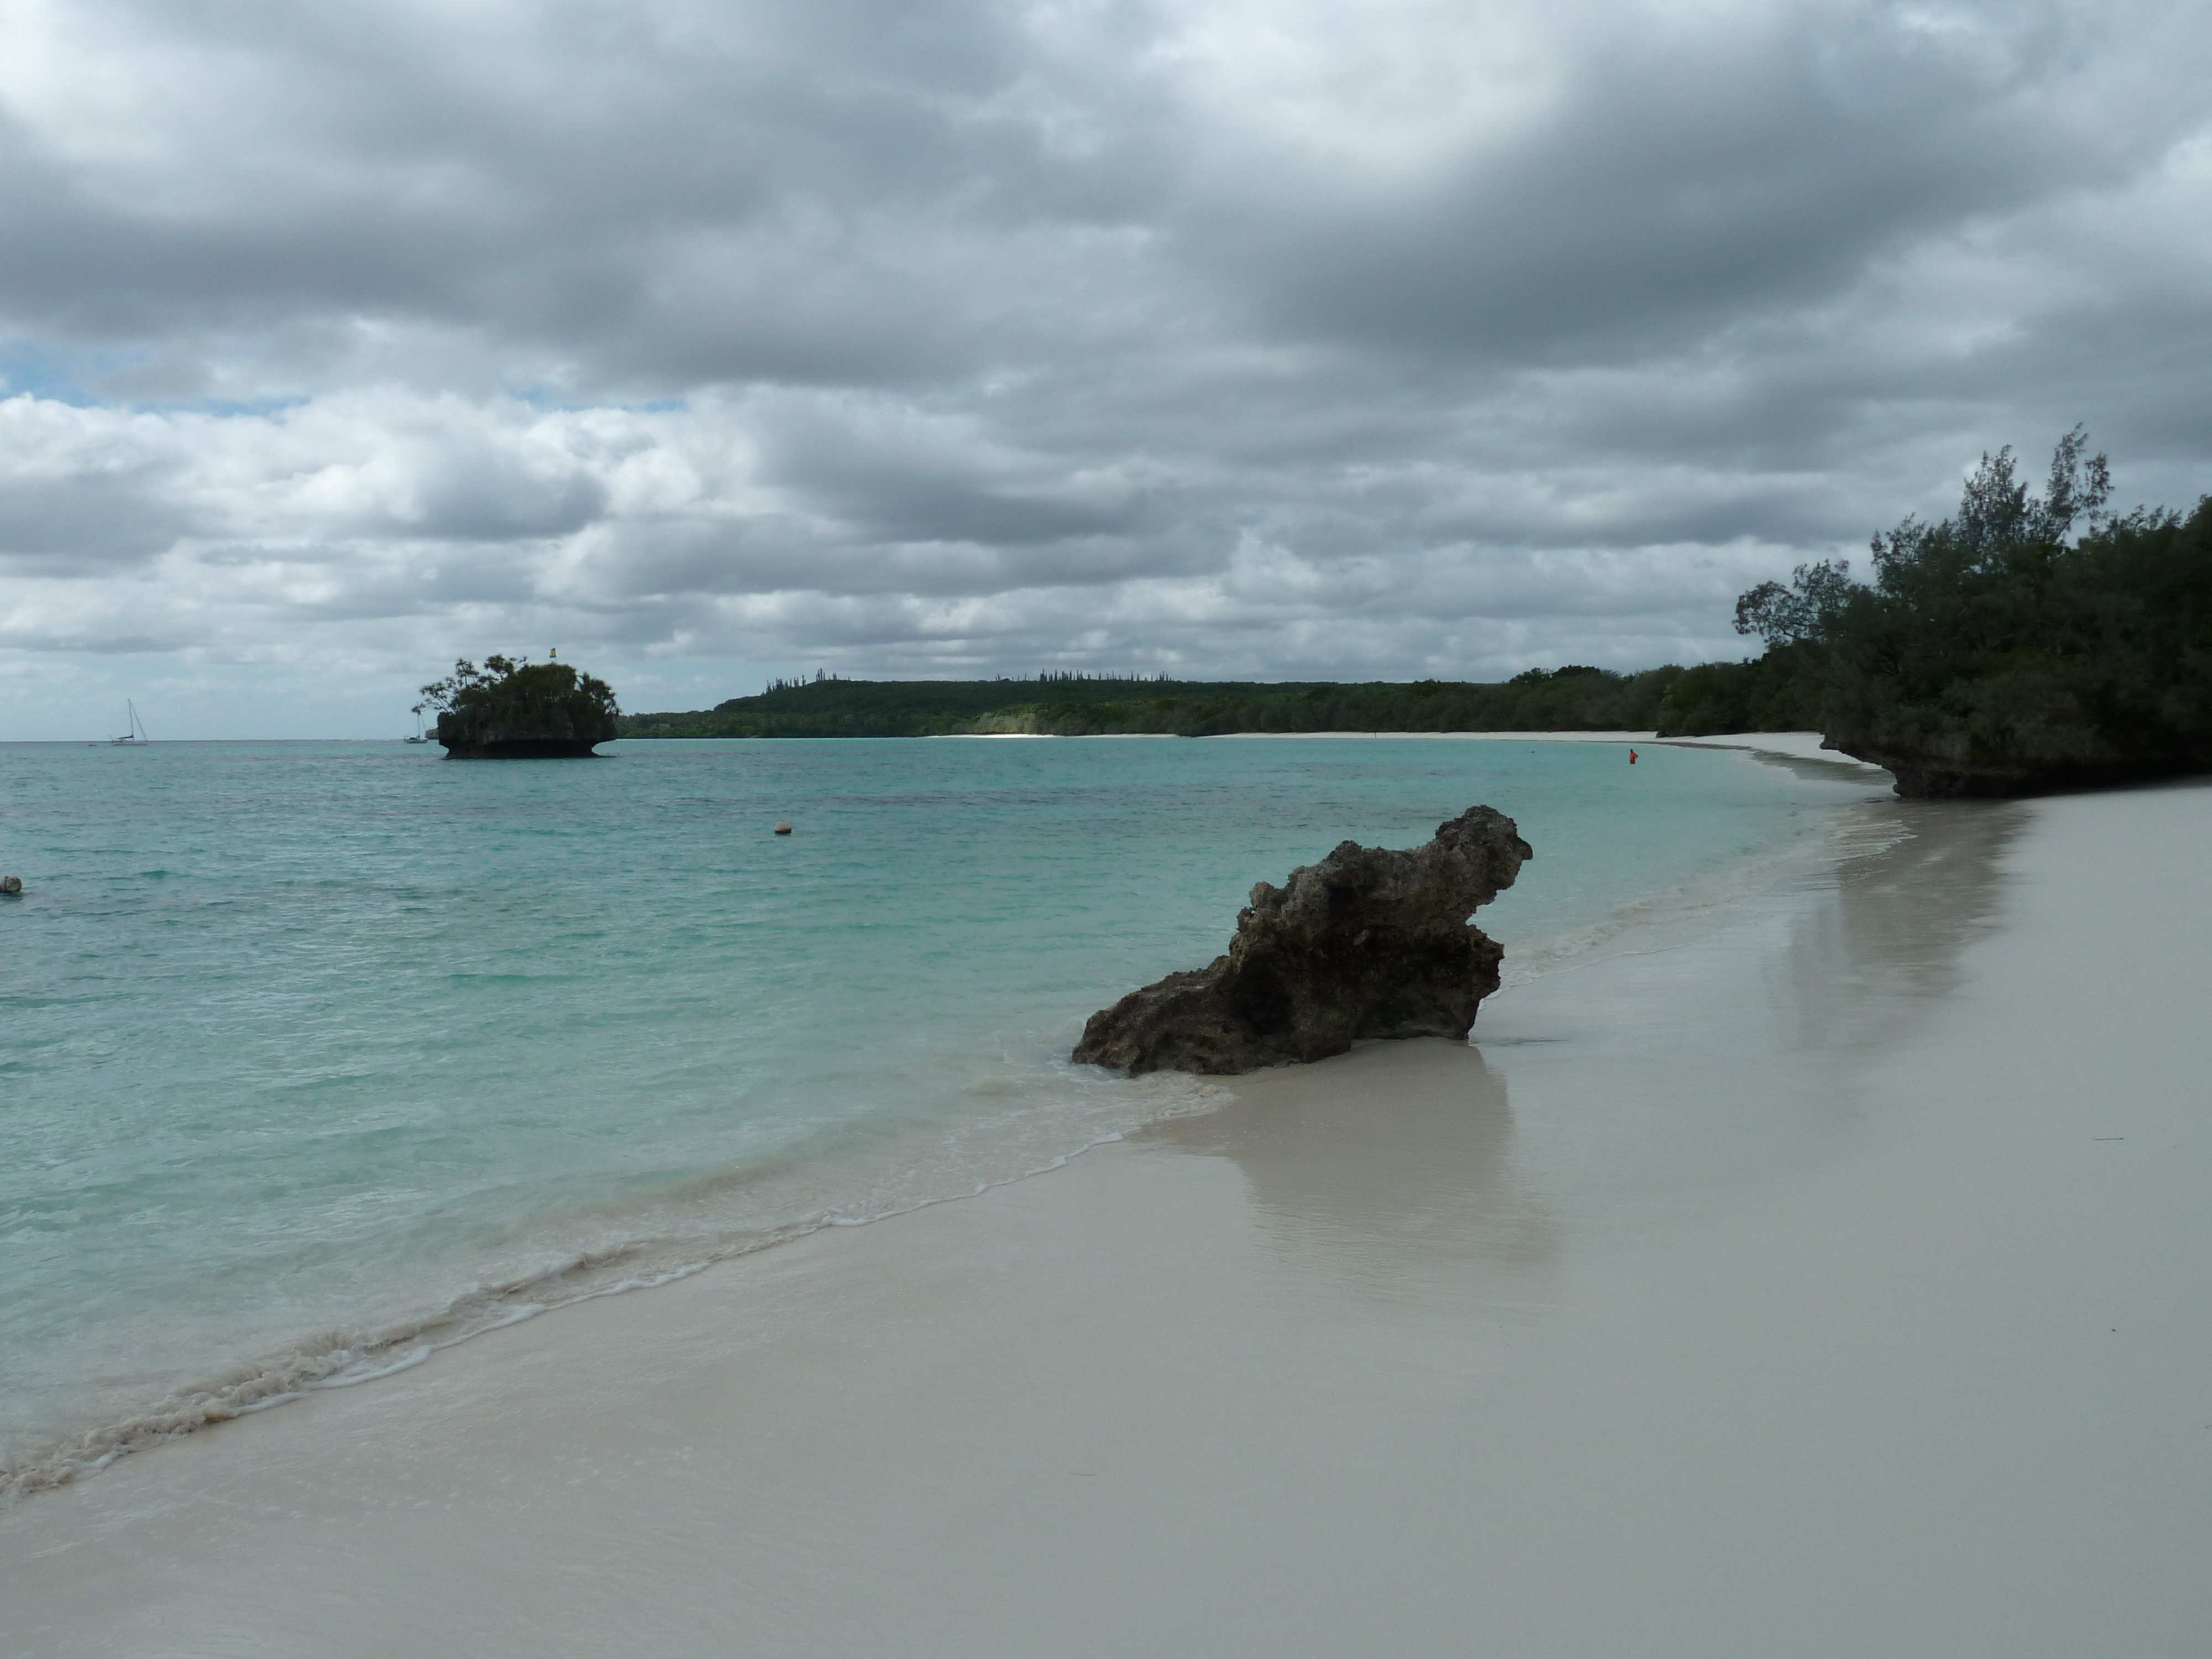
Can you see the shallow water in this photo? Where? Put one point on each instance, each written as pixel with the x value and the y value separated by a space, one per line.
pixel 320 1052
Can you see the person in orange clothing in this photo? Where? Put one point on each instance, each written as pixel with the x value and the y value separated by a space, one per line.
pixel 1632 758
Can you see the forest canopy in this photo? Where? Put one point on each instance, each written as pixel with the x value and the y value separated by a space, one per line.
pixel 1574 697
pixel 2028 642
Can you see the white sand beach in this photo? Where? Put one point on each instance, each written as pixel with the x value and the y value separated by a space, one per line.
pixel 1826 1277
pixel 1798 745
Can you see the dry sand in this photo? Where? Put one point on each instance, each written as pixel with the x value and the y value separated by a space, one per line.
pixel 1829 1279
pixel 1797 745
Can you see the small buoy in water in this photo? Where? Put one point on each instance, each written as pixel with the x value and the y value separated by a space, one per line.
pixel 783 826
pixel 12 886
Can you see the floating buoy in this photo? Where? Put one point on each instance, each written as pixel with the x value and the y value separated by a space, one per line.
pixel 783 826
pixel 12 886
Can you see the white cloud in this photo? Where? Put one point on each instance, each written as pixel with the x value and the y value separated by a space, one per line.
pixel 1233 338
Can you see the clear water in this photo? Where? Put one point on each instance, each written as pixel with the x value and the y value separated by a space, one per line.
pixel 317 1054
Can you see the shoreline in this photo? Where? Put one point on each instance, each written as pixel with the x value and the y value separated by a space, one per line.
pixel 1795 745
pixel 1759 1283
pixel 412 1332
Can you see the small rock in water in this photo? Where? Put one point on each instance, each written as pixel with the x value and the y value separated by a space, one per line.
pixel 11 886
pixel 783 826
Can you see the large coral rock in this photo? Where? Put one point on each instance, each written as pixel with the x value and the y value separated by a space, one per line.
pixel 1368 942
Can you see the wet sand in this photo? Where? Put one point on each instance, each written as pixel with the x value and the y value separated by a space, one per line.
pixel 1825 1278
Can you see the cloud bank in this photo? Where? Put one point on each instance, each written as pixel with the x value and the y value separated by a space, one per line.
pixel 707 340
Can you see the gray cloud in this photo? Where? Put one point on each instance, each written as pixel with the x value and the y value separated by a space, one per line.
pixel 1228 337
pixel 82 527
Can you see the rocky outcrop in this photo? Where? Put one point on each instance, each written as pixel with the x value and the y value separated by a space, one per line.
pixel 1938 773
pixel 1937 765
pixel 531 711
pixel 488 742
pixel 1368 942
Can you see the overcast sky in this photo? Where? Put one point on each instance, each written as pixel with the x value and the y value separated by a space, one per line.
pixel 713 340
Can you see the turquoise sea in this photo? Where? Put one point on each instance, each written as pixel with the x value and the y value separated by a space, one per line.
pixel 319 1055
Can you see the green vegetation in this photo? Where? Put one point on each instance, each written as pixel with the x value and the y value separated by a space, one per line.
pixel 1573 698
pixel 1777 692
pixel 1991 654
pixel 509 709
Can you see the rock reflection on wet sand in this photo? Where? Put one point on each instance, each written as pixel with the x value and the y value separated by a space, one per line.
pixel 1379 1169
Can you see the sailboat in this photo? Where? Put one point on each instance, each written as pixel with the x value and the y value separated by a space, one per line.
pixel 137 731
